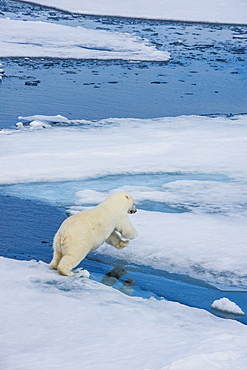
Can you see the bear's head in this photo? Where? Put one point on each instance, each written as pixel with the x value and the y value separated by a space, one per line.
pixel 132 208
pixel 123 201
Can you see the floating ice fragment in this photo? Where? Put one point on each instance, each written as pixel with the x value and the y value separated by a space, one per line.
pixel 240 36
pixel 41 121
pixel 82 273
pixel 19 125
pixel 225 305
pixel 39 124
pixel 35 124
pixel 1 72
pixel 52 119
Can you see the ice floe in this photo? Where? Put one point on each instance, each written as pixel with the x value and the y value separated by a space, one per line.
pixel 43 39
pixel 193 165
pixel 51 321
pixel 219 11
pixel 224 304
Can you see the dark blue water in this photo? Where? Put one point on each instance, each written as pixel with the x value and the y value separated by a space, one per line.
pixel 206 75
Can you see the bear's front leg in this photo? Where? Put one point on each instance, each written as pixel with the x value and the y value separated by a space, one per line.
pixel 115 240
pixel 129 235
pixel 126 229
pixel 122 244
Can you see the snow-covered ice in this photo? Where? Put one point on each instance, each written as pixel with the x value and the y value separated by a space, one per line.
pixel 177 144
pixel 210 210
pixel 224 304
pixel 50 322
pixel 44 39
pixel 219 11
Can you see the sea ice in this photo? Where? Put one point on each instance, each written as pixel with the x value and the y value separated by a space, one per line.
pixel 49 119
pixel 43 39
pixel 224 304
pixel 51 321
pixel 206 240
pixel 218 11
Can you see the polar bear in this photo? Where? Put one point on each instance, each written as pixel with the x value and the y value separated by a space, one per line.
pixel 85 231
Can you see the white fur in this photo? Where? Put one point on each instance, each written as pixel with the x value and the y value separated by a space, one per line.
pixel 85 231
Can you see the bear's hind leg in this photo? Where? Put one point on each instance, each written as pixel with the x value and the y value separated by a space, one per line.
pixel 57 256
pixel 66 264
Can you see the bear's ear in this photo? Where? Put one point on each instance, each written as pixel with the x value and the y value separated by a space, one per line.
pixel 127 197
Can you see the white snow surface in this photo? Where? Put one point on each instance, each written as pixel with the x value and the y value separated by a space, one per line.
pixel 54 322
pixel 215 11
pixel 224 304
pixel 43 39
pixel 170 144
pixel 208 241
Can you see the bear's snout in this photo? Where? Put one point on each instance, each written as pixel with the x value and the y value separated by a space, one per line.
pixel 133 209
